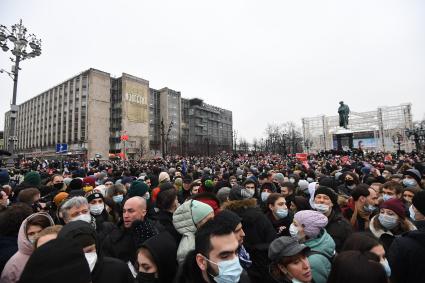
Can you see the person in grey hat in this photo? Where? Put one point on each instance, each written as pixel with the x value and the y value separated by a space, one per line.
pixel 289 261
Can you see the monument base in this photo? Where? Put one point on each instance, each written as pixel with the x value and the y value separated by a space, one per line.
pixel 344 139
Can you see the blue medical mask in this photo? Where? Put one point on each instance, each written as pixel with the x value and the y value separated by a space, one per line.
pixel 386 197
pixel 228 270
pixel 409 183
pixel 412 213
pixel 281 213
pixel 118 198
pixel 264 196
pixel 369 208
pixel 389 222
pixel 386 267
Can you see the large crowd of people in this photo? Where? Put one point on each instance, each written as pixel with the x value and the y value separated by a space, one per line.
pixel 328 217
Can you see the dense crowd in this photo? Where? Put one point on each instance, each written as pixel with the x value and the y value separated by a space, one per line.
pixel 328 217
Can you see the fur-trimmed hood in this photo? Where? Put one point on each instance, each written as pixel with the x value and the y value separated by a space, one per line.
pixel 238 205
pixel 378 232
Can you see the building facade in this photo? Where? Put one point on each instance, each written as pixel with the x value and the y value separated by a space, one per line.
pixel 206 128
pixel 92 112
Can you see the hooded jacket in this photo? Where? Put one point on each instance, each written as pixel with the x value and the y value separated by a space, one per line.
pixel 106 269
pixel 320 265
pixel 184 224
pixel 14 267
pixel 163 250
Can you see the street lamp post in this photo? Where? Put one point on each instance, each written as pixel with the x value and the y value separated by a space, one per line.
pixel 398 139
pixel 19 39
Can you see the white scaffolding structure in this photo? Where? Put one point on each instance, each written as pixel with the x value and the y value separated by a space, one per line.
pixel 384 123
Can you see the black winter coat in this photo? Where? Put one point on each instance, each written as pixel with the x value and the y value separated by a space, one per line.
pixel 339 229
pixel 259 233
pixel 406 256
pixel 164 222
pixel 281 226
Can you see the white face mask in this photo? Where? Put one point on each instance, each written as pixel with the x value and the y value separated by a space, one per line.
pixel 83 217
pixel 91 259
pixel 293 230
pixel 322 208
pixel 96 209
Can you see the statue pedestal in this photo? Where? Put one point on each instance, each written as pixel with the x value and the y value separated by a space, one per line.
pixel 344 139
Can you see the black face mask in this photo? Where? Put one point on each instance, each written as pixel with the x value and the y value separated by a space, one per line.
pixel 58 186
pixel 144 277
pixel 349 182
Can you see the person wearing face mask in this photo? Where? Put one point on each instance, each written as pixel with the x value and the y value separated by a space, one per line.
pixel 102 268
pixel 390 222
pixel 406 252
pixel 156 258
pixel 214 258
pixel 259 231
pixel 279 214
pixel 392 190
pixel 104 221
pixel 326 202
pixel 289 263
pixel 265 190
pixel 28 231
pixel 308 227
pixel 412 178
pixel 76 208
pixel 361 207
pixel 351 180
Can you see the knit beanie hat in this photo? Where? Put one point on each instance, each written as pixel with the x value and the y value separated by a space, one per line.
pixel 419 202
pixel 59 198
pixel 312 221
pixel 32 178
pixel 329 192
pixel 93 195
pixel 395 205
pixel 199 211
pixel 76 184
pixel 137 188
pixel 414 174
pixel 163 177
pixel 89 181
pixel 4 177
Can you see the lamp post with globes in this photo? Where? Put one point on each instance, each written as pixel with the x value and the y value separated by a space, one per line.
pixel 17 38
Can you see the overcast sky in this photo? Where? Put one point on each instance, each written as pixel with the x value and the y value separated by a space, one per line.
pixel 267 61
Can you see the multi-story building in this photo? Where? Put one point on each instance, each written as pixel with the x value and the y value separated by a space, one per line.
pixel 92 111
pixel 206 128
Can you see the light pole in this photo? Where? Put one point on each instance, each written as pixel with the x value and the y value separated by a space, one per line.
pixel 18 38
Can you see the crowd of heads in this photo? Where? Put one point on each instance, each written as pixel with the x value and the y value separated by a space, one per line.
pixel 331 217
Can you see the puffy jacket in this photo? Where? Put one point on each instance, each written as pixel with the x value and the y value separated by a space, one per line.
pixel 183 222
pixel 13 269
pixel 320 265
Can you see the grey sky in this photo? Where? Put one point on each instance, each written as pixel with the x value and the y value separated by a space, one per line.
pixel 267 61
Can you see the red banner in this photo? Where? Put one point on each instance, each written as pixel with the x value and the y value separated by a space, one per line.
pixel 301 156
